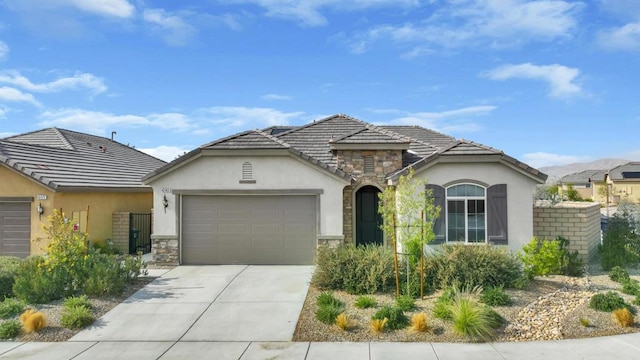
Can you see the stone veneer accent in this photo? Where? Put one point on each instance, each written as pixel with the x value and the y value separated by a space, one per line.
pixel 120 231
pixel 352 163
pixel 164 250
pixel 579 222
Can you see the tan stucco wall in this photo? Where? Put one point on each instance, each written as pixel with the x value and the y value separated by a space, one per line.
pixel 519 191
pixel 627 190
pixel 218 173
pixel 101 206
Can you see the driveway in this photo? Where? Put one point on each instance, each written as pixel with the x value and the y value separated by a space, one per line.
pixel 209 303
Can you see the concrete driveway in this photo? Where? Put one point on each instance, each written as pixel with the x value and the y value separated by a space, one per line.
pixel 209 303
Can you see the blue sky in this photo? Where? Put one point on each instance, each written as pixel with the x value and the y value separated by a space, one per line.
pixel 549 82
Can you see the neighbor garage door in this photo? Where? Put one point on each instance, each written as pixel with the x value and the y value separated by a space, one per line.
pixel 15 228
pixel 251 229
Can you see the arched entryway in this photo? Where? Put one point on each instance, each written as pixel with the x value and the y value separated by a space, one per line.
pixel 368 220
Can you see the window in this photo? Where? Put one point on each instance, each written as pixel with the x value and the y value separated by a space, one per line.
pixel 247 173
pixel 466 214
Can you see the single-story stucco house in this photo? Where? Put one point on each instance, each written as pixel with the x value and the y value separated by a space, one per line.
pixel 87 177
pixel 272 196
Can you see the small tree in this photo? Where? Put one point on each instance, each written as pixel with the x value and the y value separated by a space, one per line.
pixel 572 193
pixel 408 212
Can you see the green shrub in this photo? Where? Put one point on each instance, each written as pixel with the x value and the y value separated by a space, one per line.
pixel 618 274
pixel 631 287
pixel 441 309
pixel 481 265
pixel 8 268
pixel 405 303
pixel 550 257
pixel 108 274
pixel 328 314
pixel 80 301
pixel 76 317
pixel 357 270
pixel 620 244
pixel 495 296
pixel 11 307
pixel 10 329
pixel 396 319
pixel 35 283
pixel 607 302
pixel 472 319
pixel 636 301
pixel 105 247
pixel 365 302
pixel 327 299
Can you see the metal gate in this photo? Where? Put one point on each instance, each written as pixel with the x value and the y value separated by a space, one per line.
pixel 139 233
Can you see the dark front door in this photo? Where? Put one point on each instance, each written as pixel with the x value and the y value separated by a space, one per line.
pixel 368 220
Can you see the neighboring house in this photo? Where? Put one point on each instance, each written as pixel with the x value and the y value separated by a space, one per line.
pixel 625 180
pixel 582 182
pixel 271 196
pixel 87 177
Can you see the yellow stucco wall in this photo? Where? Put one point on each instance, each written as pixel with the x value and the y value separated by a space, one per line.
pixel 101 206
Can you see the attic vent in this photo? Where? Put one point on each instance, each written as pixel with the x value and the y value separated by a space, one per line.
pixel 369 164
pixel 247 173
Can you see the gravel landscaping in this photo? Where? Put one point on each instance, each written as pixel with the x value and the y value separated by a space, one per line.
pixel 549 308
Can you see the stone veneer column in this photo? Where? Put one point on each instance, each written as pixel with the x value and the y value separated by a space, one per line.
pixel 164 250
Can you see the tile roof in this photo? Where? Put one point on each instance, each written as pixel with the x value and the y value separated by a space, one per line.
pixel 64 159
pixel 582 177
pixel 314 142
pixel 629 171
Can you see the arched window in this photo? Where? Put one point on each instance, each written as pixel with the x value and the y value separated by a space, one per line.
pixel 466 214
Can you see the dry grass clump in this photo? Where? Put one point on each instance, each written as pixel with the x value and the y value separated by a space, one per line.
pixel 343 321
pixel 623 317
pixel 420 323
pixel 378 325
pixel 32 321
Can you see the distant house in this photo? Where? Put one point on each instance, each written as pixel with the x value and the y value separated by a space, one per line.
pixel 87 177
pixel 582 182
pixel 271 196
pixel 625 182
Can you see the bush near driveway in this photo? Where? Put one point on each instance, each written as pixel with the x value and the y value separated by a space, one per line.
pixel 8 267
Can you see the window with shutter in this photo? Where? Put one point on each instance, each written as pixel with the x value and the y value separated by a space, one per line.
pixel 497 214
pixel 438 193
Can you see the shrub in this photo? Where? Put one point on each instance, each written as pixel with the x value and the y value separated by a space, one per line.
pixel 365 302
pixel 636 301
pixel 10 329
pixel 379 325
pixel 328 314
pixel 618 274
pixel 472 319
pixel 607 302
pixel 623 317
pixel 327 299
pixel 343 321
pixel 631 287
pixel 76 317
pixel 357 270
pixel 32 321
pixel 441 309
pixel 585 322
pixel 11 307
pixel 80 301
pixel 8 268
pixel 35 283
pixel 482 265
pixel 544 257
pixel 108 274
pixel 420 323
pixel 395 316
pixel 495 296
pixel 405 303
pixel 620 244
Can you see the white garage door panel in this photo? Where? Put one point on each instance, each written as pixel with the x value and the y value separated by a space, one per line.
pixel 248 229
pixel 15 229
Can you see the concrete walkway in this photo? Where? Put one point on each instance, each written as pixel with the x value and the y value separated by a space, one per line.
pixel 250 312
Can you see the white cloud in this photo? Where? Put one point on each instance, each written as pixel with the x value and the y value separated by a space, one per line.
pixel 276 97
pixel 560 78
pixel 173 28
pixel 116 8
pixel 78 80
pixel 4 50
pixel 541 159
pixel 244 117
pixel 100 122
pixel 14 95
pixel 626 37
pixel 450 121
pixel 497 23
pixel 166 153
pixel 309 12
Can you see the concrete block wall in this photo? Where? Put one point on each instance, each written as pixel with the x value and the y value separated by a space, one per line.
pixel 579 222
pixel 120 231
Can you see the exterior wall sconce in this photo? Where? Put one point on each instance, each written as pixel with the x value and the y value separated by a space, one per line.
pixel 165 203
pixel 40 210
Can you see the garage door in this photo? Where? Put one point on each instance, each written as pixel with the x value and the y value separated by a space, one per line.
pixel 15 228
pixel 248 229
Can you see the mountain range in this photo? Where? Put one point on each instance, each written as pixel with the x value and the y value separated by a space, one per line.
pixel 556 172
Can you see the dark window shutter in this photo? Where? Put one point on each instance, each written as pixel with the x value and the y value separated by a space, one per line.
pixel 497 215
pixel 438 226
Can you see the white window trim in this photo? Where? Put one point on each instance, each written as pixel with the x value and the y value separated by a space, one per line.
pixel 466 213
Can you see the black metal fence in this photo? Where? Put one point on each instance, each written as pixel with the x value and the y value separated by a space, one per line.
pixel 139 233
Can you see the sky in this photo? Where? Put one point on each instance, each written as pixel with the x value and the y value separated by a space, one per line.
pixel 549 82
